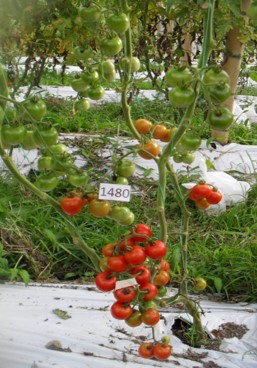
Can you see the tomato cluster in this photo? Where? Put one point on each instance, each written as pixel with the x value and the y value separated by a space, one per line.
pixel 135 270
pixel 159 350
pixel 204 195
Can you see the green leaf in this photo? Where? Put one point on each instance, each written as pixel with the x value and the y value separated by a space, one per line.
pixel 24 276
pixel 61 314
pixel 253 76
pixel 14 272
pixel 4 264
pixel 218 284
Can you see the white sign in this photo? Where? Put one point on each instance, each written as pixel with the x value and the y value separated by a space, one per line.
pixel 114 192
pixel 125 283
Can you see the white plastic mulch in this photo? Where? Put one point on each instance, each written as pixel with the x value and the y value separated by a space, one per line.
pixel 32 335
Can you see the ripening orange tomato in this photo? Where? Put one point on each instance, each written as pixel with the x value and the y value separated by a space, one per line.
pixel 143 126
pixel 159 131
pixel 150 146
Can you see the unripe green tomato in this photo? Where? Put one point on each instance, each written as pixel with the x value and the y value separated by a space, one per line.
pixel 181 97
pixel 80 54
pixel 62 163
pixel 125 168
pixel 111 47
pixel 107 67
pixel 122 215
pixel 12 135
pixel 134 62
pixel 215 76
pixel 121 180
pixel 46 182
pixel 177 157
pixel 46 136
pixel 82 105
pixel 90 77
pixel 188 158
pixel 57 149
pixel 220 118
pixel 95 92
pixel 79 85
pixel 28 142
pixel 90 14
pixel 118 23
pixel 251 11
pixel 78 178
pixel 44 163
pixel 178 77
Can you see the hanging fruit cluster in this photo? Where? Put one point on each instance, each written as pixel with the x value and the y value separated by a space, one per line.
pixel 135 270
pixel 204 195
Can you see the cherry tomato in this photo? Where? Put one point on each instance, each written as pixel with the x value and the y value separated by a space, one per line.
pixel 108 249
pixel 122 215
pixel 103 264
pixel 134 64
pixel 178 77
pixel 202 203
pixel 143 126
pixel 79 85
pixel 199 191
pixel 118 23
pixel 36 108
pixel 142 274
pixel 136 255
pixel 46 182
pixel 121 180
pixel 71 205
pixel 162 351
pixel 220 118
pixel 159 131
pixel 162 291
pixel 105 281
pixel 81 54
pixel 156 250
pixel 57 149
pixel 150 317
pixel 200 283
pixel 150 304
pixel 214 76
pixel 62 163
pixel 135 319
pixel 99 208
pixel 117 263
pixel 44 163
pixel 187 158
pixel 90 14
pixel 111 47
pixel 219 93
pixel 151 147
pixel 141 229
pixel 121 311
pixel 164 266
pixel 125 168
pixel 78 178
pixel 90 77
pixel 161 278
pixel 181 97
pixel 95 92
pixel 145 350
pixel 12 135
pixel 214 197
pixel 82 105
pixel 125 295
pixel 150 291
pixel 46 136
pixel 189 142
pixel 28 142
pixel 169 134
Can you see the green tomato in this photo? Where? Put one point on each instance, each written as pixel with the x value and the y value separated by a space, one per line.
pixel 90 14
pixel 148 305
pixel 82 105
pixel 189 142
pixel 122 215
pixel 80 54
pixel 219 93
pixel 29 142
pixel 46 182
pixel 46 136
pixel 118 23
pixel 162 291
pixel 181 98
pixel 111 47
pixel 35 108
pixel 134 62
pixel 107 67
pixel 177 157
pixel 57 149
pixel 215 76
pixel 79 85
pixel 12 135
pixel 78 178
pixel 95 92
pixel 125 168
pixel 178 77
pixel 188 158
pixel 44 163
pixel 90 77
pixel 121 180
pixel 220 118
pixel 62 163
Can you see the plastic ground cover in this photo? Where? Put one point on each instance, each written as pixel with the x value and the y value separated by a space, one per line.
pixel 34 335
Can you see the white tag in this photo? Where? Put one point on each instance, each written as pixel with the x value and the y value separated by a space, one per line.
pixel 125 283
pixel 114 192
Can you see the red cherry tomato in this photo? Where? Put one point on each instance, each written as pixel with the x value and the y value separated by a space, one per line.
pixel 105 281
pixel 162 351
pixel 121 311
pixel 161 278
pixel 125 295
pixel 150 291
pixel 156 250
pixel 71 205
pixel 141 229
pixel 199 191
pixel 214 197
pixel 117 263
pixel 150 317
pixel 142 274
pixel 136 255
pixel 146 350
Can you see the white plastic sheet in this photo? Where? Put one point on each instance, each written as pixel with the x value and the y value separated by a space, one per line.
pixel 92 338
